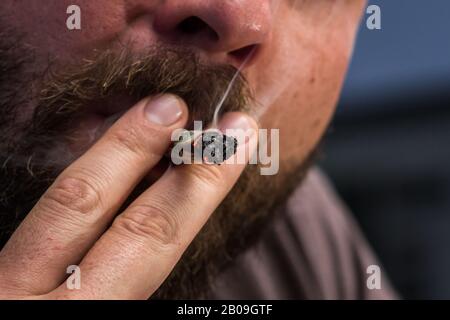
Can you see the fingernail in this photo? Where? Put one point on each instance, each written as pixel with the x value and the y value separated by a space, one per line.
pixel 235 120
pixel 164 110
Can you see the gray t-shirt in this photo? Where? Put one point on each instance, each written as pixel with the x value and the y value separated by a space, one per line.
pixel 312 250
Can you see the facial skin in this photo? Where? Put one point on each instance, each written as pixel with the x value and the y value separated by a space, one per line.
pixel 303 47
pixel 301 51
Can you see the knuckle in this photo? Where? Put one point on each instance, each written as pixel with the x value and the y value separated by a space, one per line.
pixel 209 175
pixel 133 139
pixel 149 223
pixel 74 194
pixel 128 138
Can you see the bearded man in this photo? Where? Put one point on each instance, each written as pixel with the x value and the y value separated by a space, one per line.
pixel 87 118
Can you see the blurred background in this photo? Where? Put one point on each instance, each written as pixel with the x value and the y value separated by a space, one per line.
pixel 388 149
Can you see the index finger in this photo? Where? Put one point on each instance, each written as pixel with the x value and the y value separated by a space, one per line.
pixel 83 200
pixel 137 253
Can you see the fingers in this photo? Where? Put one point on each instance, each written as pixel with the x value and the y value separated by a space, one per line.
pixel 81 203
pixel 144 243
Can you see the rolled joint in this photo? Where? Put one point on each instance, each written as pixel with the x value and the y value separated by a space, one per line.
pixel 209 147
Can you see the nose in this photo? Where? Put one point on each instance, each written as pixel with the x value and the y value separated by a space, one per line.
pixel 232 27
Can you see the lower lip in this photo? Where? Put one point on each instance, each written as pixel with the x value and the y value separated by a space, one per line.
pixel 87 133
pixel 91 128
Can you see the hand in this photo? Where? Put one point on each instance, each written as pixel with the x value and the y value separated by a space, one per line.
pixel 126 255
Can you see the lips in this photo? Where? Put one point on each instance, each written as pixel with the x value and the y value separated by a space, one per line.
pixel 117 104
pixel 97 118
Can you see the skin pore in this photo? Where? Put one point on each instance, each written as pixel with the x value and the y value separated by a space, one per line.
pixel 301 52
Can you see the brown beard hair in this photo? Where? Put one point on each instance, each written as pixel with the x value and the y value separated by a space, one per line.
pixel 32 148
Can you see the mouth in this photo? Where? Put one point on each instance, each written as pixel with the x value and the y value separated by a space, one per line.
pixel 96 120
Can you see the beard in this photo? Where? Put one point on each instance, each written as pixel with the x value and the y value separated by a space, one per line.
pixel 34 149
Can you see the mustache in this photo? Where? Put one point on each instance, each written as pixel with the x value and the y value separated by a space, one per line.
pixel 69 93
pixel 34 149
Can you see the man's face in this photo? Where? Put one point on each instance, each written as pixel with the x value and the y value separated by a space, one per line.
pixel 293 55
pixel 302 47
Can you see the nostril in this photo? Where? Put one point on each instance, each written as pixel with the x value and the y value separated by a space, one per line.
pixel 195 26
pixel 242 54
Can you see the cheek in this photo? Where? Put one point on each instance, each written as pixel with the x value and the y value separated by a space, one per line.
pixel 305 108
pixel 298 87
pixel 44 26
